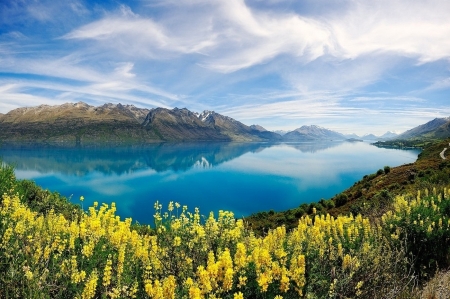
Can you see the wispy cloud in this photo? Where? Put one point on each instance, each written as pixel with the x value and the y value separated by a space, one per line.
pixel 234 36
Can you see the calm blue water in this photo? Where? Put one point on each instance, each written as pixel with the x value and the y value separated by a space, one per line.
pixel 240 177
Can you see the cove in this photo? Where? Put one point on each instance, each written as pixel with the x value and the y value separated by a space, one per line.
pixel 240 177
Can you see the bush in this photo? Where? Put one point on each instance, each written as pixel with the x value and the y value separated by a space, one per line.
pixel 341 199
pixel 7 178
pixel 424 223
pixel 387 169
pixel 299 212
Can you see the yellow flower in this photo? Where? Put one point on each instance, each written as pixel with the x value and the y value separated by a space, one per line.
pixel 358 288
pixel 195 293
pixel 107 272
pixel 90 287
pixel 242 281
pixel 238 295
pixel 29 275
pixel 177 241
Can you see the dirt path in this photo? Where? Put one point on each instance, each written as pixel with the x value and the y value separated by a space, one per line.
pixel 442 153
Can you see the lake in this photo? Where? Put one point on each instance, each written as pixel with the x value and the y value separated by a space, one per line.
pixel 241 177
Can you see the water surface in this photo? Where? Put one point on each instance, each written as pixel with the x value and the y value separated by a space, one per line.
pixel 240 177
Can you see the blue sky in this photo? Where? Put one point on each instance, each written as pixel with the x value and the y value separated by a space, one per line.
pixel 351 66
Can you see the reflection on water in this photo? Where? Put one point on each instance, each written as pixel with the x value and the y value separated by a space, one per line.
pixel 120 160
pixel 242 177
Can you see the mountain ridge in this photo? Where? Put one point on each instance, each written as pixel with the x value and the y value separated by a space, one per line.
pixel 81 123
pixel 436 128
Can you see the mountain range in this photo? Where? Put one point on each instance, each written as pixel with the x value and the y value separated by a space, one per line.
pixel 80 123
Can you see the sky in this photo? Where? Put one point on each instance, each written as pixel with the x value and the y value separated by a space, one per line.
pixel 347 65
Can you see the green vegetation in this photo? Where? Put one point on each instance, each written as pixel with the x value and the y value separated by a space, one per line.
pixel 373 194
pixel 381 238
pixel 407 143
pixel 37 199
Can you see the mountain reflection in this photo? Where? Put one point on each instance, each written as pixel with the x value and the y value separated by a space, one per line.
pixel 313 147
pixel 122 160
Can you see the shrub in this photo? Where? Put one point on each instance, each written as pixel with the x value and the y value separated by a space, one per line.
pixel 7 178
pixel 299 212
pixel 341 199
pixel 424 222
pixel 387 169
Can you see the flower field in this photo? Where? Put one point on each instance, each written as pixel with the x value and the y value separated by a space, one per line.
pixel 95 254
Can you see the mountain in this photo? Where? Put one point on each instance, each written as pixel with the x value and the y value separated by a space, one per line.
pixel 258 128
pixel 370 137
pixel 389 135
pixel 73 123
pixel 182 125
pixel 312 133
pixel 281 132
pixel 350 136
pixel 81 123
pixel 437 128
pixel 386 136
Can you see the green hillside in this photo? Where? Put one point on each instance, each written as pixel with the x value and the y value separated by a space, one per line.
pixel 373 194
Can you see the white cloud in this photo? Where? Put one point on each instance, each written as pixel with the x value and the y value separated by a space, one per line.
pixel 233 36
pixel 133 35
pixel 410 28
pixel 124 70
pixel 387 99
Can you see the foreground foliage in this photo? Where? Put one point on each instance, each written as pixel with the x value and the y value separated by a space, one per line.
pixel 50 248
pixel 98 255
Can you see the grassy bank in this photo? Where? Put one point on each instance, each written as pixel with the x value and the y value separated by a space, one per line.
pixel 373 194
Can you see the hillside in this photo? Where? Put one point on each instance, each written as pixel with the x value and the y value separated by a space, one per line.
pixel 82 124
pixel 373 193
pixel 74 124
pixel 434 129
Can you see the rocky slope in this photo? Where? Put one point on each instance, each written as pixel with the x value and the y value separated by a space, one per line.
pixel 74 124
pixel 81 123
pixel 437 128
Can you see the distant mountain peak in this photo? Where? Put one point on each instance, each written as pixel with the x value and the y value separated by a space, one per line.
pixel 281 132
pixel 389 135
pixel 312 132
